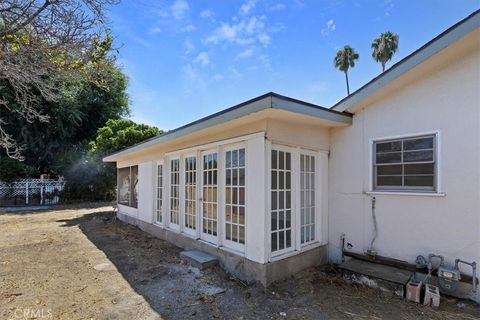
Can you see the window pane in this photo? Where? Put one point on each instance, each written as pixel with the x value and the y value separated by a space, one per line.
pixel 388 146
pixel 416 144
pixel 419 181
pixel 413 156
pixel 134 186
pixel 274 241
pixel 274 159
pixel 389 181
pixel 228 159
pixel 389 169
pixel 124 186
pixel 394 157
pixel 241 157
pixel 423 168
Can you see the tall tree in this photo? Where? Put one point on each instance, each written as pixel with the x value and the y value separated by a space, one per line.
pixel 82 108
pixel 384 47
pixel 92 178
pixel 40 41
pixel 344 60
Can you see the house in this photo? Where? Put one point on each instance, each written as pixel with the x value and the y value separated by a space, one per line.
pixel 274 185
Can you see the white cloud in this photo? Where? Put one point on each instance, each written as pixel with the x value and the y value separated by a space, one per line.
pixel 264 39
pixel 217 77
pixel 179 8
pixel 277 7
pixel 189 46
pixel 207 13
pixel 243 32
pixel 246 53
pixel 247 7
pixel 187 28
pixel 155 30
pixel 202 59
pixel 330 27
pixel 194 81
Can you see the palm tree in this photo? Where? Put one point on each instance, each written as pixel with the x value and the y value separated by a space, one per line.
pixel 344 60
pixel 384 47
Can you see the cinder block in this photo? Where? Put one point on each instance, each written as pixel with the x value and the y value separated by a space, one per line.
pixel 414 289
pixel 432 296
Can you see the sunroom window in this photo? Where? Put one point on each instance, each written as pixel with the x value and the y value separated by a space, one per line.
pixel 128 186
pixel 307 198
pixel 281 197
pixel 407 164
pixel 160 192
pixel 174 191
pixel 190 192
pixel 235 195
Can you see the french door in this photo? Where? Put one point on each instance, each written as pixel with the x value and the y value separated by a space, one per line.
pixel 209 196
pixel 190 195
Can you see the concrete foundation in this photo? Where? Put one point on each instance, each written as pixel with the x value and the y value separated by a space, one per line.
pixel 235 264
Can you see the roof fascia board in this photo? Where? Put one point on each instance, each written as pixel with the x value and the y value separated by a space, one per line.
pixel 269 100
pixel 410 62
pixel 292 106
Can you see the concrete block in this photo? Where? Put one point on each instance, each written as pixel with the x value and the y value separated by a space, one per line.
pixel 432 296
pixel 199 259
pixel 414 290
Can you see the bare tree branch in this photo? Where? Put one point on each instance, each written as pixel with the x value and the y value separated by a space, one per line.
pixel 41 40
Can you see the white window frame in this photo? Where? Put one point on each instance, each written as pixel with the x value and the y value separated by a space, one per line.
pixel 164 193
pixel 171 225
pixel 297 246
pixel 316 197
pixel 236 246
pixel 437 190
pixel 190 231
pixel 211 239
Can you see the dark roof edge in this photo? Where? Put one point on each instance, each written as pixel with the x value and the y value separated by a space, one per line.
pixel 353 98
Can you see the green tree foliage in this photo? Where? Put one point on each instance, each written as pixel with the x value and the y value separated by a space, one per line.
pixel 44 43
pixel 91 178
pixel 344 60
pixel 53 147
pixel 384 47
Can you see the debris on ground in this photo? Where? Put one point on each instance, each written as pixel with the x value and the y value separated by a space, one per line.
pixel 55 261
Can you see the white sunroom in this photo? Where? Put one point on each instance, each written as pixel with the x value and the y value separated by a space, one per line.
pixel 250 181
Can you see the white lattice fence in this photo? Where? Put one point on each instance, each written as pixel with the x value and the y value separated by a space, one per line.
pixel 31 192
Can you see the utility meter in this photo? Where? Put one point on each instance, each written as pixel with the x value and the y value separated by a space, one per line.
pixel 448 278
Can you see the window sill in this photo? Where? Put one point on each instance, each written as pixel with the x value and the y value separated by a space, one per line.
pixel 403 193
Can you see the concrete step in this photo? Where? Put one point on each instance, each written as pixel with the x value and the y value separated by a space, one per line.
pixel 376 275
pixel 198 259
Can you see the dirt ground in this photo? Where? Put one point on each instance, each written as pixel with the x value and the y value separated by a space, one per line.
pixel 75 263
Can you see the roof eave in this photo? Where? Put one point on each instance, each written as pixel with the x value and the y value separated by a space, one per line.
pixel 266 101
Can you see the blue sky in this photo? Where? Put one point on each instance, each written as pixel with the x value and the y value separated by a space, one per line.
pixel 186 59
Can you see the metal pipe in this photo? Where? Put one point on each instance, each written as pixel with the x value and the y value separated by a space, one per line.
pixel 474 271
pixel 372 251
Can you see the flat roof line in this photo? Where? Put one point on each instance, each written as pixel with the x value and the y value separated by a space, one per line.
pixel 256 104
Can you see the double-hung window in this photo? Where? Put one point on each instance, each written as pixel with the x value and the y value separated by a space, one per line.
pixel 405 164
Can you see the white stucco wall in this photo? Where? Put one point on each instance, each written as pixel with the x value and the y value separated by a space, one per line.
pixel 146 191
pixel 446 99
